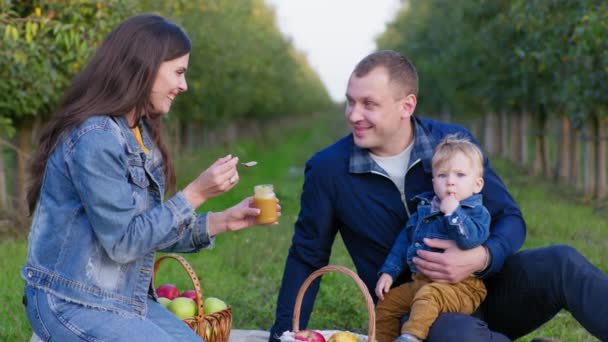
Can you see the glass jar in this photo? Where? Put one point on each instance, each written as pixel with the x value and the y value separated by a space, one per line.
pixel 265 200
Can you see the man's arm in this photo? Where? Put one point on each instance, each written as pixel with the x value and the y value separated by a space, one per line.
pixel 507 228
pixel 314 234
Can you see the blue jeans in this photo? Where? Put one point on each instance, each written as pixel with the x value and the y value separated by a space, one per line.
pixel 53 319
pixel 532 287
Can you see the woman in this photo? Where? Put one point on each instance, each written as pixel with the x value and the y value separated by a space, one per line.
pixel 98 181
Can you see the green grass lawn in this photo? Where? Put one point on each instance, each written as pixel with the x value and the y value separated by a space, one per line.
pixel 245 268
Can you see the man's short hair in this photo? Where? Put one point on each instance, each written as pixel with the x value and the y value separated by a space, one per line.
pixel 453 143
pixel 400 69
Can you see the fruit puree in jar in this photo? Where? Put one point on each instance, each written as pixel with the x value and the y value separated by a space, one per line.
pixel 265 199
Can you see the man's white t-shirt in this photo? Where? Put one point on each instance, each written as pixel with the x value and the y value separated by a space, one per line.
pixel 396 166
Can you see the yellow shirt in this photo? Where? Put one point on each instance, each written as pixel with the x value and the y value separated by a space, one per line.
pixel 139 139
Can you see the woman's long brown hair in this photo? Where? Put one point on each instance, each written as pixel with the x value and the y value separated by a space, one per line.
pixel 117 80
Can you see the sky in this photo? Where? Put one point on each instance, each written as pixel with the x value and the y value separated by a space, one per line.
pixel 334 34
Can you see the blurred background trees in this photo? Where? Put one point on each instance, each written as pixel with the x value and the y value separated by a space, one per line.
pixel 242 71
pixel 529 77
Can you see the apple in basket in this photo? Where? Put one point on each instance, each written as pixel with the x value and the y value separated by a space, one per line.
pixel 168 291
pixel 343 336
pixel 212 304
pixel 309 336
pixel 189 294
pixel 164 301
pixel 183 307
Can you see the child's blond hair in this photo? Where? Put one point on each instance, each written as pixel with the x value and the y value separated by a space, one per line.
pixel 453 143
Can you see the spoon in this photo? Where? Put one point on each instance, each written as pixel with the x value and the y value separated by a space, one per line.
pixel 250 163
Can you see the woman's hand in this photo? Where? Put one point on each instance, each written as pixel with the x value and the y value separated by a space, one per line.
pixel 451 266
pixel 238 217
pixel 383 285
pixel 219 178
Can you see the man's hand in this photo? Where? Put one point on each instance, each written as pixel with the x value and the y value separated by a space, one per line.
pixel 383 285
pixel 451 266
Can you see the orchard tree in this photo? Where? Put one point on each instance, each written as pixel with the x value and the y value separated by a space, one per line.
pixel 44 44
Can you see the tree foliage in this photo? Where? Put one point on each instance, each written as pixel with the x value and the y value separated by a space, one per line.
pixel 241 65
pixel 490 55
pixel 44 44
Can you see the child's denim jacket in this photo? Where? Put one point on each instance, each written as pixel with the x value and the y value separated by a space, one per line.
pixel 468 226
pixel 101 217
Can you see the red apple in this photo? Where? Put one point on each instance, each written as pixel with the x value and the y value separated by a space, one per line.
pixel 189 294
pixel 309 336
pixel 168 291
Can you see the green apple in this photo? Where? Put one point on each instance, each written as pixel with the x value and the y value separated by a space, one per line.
pixel 183 307
pixel 212 304
pixel 164 301
pixel 208 334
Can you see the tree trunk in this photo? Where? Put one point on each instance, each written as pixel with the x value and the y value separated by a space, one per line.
pixel 575 167
pixel 544 150
pixel 24 143
pixel 177 143
pixel 3 188
pixel 524 133
pixel 504 134
pixel 489 138
pixel 446 115
pixel 601 158
pixel 564 151
pixel 189 132
pixel 514 127
pixel 537 166
pixel 588 153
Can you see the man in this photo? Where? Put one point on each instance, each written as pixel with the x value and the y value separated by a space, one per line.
pixel 363 186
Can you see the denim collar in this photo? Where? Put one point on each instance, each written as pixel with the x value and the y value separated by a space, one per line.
pixel 362 162
pixel 132 144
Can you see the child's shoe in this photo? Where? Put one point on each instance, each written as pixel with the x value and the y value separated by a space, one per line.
pixel 407 338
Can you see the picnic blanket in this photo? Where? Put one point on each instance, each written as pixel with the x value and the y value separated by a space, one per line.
pixel 239 335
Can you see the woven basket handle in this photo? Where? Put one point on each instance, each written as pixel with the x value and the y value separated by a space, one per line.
pixel 371 329
pixel 193 277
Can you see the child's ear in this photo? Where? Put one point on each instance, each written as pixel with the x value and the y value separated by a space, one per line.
pixel 478 185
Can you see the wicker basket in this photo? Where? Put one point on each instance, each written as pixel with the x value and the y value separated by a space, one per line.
pixel 371 328
pixel 214 327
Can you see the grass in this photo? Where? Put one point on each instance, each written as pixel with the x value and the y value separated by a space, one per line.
pixel 245 268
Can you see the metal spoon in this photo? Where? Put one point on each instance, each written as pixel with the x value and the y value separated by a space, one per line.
pixel 250 163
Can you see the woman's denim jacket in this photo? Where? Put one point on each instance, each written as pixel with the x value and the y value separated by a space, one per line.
pixel 101 216
pixel 468 226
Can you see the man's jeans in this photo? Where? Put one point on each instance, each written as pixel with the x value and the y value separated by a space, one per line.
pixel 533 286
pixel 54 319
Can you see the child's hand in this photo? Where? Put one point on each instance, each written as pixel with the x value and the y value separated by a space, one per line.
pixel 383 285
pixel 449 204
